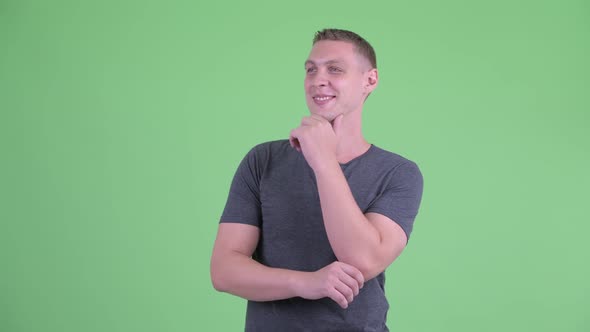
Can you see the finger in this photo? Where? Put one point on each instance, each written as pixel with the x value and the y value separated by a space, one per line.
pixel 336 123
pixel 349 281
pixel 311 120
pixel 337 297
pixel 306 120
pixel 355 273
pixel 295 144
pixel 294 141
pixel 319 118
pixel 343 289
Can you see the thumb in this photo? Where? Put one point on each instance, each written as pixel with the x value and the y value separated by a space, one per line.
pixel 336 123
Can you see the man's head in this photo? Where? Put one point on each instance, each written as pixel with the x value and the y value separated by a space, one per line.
pixel 341 71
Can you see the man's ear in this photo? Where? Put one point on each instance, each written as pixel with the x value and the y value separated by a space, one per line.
pixel 372 80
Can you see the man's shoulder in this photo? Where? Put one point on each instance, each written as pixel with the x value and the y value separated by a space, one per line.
pixel 393 159
pixel 272 151
pixel 271 148
pixel 272 145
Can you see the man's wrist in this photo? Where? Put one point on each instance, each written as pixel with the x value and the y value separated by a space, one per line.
pixel 327 167
pixel 295 282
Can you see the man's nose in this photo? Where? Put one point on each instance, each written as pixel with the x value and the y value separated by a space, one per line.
pixel 320 79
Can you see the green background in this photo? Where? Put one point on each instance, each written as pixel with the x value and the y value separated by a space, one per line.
pixel 123 122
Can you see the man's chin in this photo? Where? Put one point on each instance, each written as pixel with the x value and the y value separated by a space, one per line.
pixel 328 115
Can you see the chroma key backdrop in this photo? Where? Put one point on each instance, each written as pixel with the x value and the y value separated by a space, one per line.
pixel 122 124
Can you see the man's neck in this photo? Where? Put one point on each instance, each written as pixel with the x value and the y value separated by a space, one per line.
pixel 352 152
pixel 351 142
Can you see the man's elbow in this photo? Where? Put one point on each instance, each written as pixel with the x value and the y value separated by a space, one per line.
pixel 218 284
pixel 369 270
pixel 217 279
pixel 371 266
pixel 375 262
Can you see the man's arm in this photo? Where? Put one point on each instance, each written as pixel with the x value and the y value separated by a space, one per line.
pixel 235 272
pixel 369 242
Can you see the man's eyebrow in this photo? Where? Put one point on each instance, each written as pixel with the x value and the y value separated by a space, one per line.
pixel 329 62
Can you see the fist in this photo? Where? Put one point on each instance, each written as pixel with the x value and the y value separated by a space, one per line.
pixel 338 281
pixel 317 139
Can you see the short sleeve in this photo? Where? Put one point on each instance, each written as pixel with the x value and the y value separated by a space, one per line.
pixel 243 202
pixel 401 198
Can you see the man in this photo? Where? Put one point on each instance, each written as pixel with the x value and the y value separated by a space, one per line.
pixel 312 222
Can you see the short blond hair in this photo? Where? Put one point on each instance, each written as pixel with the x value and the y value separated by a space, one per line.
pixel 362 46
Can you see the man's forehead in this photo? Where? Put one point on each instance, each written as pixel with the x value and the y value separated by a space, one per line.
pixel 319 62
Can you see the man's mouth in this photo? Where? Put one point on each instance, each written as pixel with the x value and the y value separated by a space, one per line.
pixel 322 99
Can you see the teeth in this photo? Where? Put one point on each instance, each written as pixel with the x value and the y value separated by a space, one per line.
pixel 322 98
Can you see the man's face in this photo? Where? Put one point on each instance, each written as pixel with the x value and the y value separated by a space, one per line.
pixel 336 79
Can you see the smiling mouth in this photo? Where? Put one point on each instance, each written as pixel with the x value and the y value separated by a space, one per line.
pixel 320 100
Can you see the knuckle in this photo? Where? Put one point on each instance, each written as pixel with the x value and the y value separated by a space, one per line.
pixel 348 292
pixel 346 300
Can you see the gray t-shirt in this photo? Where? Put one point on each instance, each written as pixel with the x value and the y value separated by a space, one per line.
pixel 275 189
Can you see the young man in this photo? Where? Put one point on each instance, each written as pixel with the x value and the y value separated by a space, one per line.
pixel 311 223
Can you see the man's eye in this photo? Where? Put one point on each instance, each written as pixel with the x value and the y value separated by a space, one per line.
pixel 310 70
pixel 335 69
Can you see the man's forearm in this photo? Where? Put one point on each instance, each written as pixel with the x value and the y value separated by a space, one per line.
pixel 240 275
pixel 353 239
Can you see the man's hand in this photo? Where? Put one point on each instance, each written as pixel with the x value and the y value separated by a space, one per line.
pixel 339 281
pixel 317 139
